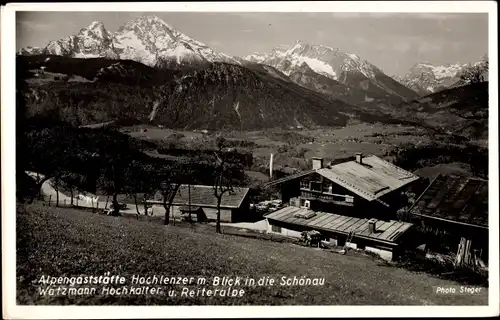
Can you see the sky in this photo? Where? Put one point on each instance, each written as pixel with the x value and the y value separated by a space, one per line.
pixel 394 42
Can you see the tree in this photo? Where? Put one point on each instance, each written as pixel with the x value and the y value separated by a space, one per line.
pixel 168 186
pixel 114 180
pixel 49 156
pixel 475 73
pixel 170 178
pixel 227 175
pixel 72 182
pixel 24 184
pixel 115 159
pixel 143 180
pixel 56 184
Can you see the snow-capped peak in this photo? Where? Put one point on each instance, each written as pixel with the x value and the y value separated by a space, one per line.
pixel 353 56
pixel 333 63
pixel 256 57
pixel 322 59
pixel 426 77
pixel 440 71
pixel 30 51
pixel 147 39
pixel 96 25
pixel 95 30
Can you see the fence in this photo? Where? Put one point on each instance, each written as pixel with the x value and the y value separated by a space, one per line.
pixel 75 202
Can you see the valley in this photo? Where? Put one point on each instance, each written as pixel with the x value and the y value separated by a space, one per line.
pixel 293 149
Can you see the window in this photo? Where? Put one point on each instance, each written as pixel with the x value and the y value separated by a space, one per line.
pixel 315 186
pixel 329 188
pixel 349 199
pixel 305 203
pixel 275 228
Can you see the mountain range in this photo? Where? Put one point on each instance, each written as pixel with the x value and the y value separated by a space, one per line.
pixel 297 85
pixel 426 78
pixel 334 72
pixel 151 41
pixel 147 39
pixel 216 97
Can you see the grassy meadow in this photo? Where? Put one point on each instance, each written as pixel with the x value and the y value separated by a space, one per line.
pixel 69 242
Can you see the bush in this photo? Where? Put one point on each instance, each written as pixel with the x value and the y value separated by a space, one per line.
pixel 417 262
pixel 241 144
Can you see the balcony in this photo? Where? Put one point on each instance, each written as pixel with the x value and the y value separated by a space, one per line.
pixel 339 199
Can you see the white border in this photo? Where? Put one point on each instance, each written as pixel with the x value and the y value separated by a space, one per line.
pixel 11 311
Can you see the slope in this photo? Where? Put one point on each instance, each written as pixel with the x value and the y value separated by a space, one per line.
pixel 56 241
pixel 94 69
pixel 217 96
pixel 226 96
pixel 462 111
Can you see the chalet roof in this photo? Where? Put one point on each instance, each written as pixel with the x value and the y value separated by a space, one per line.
pixel 288 178
pixel 370 180
pixel 203 196
pixel 454 199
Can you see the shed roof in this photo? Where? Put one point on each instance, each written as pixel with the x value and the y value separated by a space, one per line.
pixel 455 199
pixel 203 196
pixel 371 180
pixel 189 209
pixel 388 232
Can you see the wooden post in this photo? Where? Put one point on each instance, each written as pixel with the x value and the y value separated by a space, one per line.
pixel 459 257
pixel 50 198
pixel 173 214
pixel 468 253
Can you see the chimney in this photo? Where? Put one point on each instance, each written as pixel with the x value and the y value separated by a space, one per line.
pixel 359 158
pixel 317 163
pixel 372 225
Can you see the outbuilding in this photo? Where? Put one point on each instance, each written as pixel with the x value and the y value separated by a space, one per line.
pixel 235 205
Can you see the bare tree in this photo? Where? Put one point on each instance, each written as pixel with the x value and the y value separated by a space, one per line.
pixel 56 184
pixel 169 180
pixel 72 182
pixel 136 206
pixel 168 191
pixel 144 182
pixel 226 174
